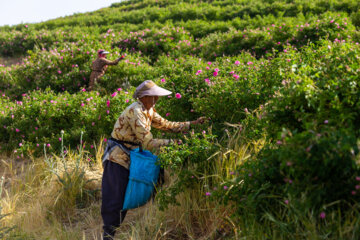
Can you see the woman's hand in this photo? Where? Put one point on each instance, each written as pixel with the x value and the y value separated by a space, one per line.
pixel 200 120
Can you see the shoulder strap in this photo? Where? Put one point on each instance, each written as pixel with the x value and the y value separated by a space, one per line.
pixel 126 142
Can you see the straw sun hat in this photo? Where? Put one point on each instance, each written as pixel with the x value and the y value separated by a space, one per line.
pixel 149 88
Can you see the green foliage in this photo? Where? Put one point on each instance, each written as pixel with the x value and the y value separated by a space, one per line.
pixel 355 17
pixel 40 117
pixel 152 43
pixel 191 163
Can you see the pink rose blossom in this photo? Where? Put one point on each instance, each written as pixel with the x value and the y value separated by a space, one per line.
pixel 108 103
pixel 207 193
pixel 237 62
pixel 215 74
pixel 163 80
pixel 207 81
pixel 114 94
pixel 178 95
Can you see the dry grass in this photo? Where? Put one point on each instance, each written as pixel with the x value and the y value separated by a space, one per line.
pixel 32 193
pixel 42 198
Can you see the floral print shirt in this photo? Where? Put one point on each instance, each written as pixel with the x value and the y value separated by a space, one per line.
pixel 134 125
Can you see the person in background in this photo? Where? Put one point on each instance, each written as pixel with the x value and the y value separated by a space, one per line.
pixel 132 126
pixel 99 67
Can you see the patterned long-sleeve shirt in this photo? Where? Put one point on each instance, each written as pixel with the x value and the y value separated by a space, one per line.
pixel 99 67
pixel 134 125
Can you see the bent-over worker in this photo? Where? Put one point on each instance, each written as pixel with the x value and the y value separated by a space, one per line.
pixel 99 67
pixel 133 125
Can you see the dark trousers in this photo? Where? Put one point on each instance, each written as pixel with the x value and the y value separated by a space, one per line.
pixel 114 181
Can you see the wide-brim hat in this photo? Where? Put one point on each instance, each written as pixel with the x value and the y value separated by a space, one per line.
pixel 101 51
pixel 149 88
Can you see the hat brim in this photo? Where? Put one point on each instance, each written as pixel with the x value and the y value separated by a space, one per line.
pixel 156 91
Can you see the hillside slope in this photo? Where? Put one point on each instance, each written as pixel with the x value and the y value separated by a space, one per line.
pixel 278 81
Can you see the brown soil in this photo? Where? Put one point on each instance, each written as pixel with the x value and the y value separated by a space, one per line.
pixel 8 61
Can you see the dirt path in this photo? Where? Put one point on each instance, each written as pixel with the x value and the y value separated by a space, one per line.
pixel 8 61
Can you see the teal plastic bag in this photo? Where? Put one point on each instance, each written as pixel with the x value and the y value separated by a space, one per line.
pixel 144 173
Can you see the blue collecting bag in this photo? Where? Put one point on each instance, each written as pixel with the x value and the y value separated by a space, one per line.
pixel 144 173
